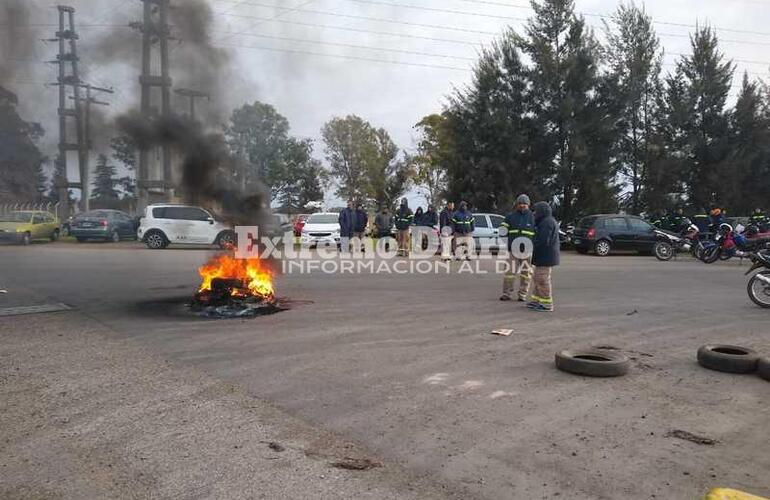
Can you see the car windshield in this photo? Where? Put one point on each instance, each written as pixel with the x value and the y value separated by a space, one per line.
pixel 16 217
pixel 323 219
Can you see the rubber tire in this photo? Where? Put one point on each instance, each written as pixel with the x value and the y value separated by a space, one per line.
pixel 602 243
pixel 727 362
pixel 222 236
pixel 55 235
pixel 612 364
pixel 749 288
pixel 155 245
pixel 763 368
pixel 581 251
pixel 666 255
pixel 711 255
pixel 26 239
pixel 114 237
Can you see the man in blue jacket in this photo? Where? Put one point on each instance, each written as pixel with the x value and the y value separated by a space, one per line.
pixel 463 225
pixel 519 224
pixel 545 256
pixel 347 221
pixel 446 230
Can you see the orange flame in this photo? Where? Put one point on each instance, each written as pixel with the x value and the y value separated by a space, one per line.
pixel 253 272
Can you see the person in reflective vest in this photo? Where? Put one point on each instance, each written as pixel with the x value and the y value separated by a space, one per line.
pixel 404 219
pixel 463 224
pixel 759 219
pixel 518 224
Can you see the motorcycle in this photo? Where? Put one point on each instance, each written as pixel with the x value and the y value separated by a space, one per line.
pixel 670 244
pixel 729 243
pixel 758 287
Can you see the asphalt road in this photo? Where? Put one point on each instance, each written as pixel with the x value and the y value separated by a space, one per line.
pixel 405 366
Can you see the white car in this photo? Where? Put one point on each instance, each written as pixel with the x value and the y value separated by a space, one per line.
pixel 487 234
pixel 164 224
pixel 321 228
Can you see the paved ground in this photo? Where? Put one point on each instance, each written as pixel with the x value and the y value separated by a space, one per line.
pixel 405 367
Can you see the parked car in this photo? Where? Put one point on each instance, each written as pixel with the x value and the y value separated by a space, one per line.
pixel 278 225
pixel 299 223
pixel 322 227
pixel 164 224
pixel 106 225
pixel 487 234
pixel 604 234
pixel 28 225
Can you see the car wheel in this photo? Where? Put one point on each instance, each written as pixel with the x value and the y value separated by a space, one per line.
pixel 602 248
pixel 763 368
pixel 663 250
pixel 728 358
pixel 155 240
pixel 227 240
pixel 55 235
pixel 593 363
pixel 115 237
pixel 26 239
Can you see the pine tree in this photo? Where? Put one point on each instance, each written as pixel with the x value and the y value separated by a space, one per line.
pixel 748 184
pixel 634 57
pixel 105 182
pixel 569 102
pixel 707 83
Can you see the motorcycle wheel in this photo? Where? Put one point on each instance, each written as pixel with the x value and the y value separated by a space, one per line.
pixel 759 290
pixel 697 251
pixel 725 255
pixel 711 255
pixel 663 250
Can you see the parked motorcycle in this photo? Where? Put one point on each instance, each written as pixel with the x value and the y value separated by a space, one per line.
pixel 729 243
pixel 670 244
pixel 759 284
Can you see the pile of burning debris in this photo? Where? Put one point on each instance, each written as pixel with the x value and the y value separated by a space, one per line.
pixel 235 288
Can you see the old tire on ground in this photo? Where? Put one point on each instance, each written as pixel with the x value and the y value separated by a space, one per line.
pixel 763 368
pixel 593 362
pixel 602 248
pixel 727 358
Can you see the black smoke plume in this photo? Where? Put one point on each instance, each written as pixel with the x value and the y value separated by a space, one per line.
pixel 207 165
pixel 17 40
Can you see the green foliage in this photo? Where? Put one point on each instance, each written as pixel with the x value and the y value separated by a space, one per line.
pixel 429 162
pixel 105 182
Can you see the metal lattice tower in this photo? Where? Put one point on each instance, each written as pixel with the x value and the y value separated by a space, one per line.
pixel 155 37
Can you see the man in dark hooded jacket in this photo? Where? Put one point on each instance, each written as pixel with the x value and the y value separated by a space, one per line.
pixel 545 256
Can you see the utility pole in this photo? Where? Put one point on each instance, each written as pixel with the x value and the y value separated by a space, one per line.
pixel 155 37
pixel 192 95
pixel 89 101
pixel 67 38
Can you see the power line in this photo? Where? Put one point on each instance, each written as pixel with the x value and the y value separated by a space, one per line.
pixel 340 56
pixel 357 46
pixel 363 18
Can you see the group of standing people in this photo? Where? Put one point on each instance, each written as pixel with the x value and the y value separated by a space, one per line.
pixel 538 227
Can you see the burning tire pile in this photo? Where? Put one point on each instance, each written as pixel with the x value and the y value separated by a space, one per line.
pixel 235 288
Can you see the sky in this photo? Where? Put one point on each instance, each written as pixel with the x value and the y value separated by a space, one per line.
pixel 389 61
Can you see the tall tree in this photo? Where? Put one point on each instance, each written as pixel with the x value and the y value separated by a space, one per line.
pixel 388 176
pixel 258 135
pixel 634 57
pixel 568 98
pixel 748 183
pixel 350 150
pixel 430 171
pixel 707 78
pixel 20 159
pixel 300 179
pixel 488 142
pixel 105 181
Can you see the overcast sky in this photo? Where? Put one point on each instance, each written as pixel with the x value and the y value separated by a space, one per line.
pixel 379 59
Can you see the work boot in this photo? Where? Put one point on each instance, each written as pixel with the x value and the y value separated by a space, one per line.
pixel 542 308
pixel 505 297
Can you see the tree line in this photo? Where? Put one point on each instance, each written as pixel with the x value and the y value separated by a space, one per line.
pixel 598 127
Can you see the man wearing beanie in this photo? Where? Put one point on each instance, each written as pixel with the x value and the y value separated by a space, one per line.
pixel 519 224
